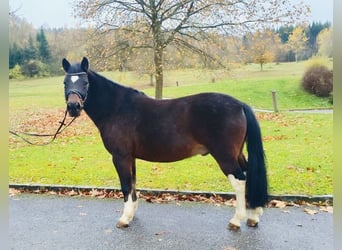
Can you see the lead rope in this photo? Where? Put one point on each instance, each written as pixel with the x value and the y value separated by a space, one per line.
pixel 58 131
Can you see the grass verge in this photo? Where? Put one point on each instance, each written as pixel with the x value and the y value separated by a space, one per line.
pixel 298 146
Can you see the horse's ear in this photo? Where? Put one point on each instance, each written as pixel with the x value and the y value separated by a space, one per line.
pixel 65 64
pixel 84 64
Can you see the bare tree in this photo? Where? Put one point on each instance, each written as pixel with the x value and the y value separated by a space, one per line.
pixel 155 24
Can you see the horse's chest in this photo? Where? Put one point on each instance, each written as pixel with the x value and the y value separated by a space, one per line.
pixel 117 137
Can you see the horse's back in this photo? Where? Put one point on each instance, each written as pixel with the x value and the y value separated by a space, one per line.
pixel 194 110
pixel 214 106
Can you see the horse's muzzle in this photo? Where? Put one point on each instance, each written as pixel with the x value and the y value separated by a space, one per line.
pixel 74 105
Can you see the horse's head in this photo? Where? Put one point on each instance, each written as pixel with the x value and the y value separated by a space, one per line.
pixel 75 85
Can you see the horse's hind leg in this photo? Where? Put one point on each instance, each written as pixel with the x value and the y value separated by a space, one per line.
pixel 252 214
pixel 125 167
pixel 239 186
pixel 231 168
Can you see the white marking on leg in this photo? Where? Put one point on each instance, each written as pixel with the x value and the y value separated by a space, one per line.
pixel 255 213
pixel 74 78
pixel 240 189
pixel 130 207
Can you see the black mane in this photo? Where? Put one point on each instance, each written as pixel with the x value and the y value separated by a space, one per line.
pixel 109 82
pixel 113 96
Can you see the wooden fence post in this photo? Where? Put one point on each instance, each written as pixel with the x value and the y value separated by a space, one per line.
pixel 274 99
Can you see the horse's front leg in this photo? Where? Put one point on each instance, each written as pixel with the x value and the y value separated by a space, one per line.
pixel 125 167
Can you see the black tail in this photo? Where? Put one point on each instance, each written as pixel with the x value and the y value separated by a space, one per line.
pixel 256 184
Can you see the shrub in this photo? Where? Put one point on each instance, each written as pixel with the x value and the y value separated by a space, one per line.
pixel 317 61
pixel 15 73
pixel 34 68
pixel 318 80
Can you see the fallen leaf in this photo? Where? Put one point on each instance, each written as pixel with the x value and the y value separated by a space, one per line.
pixel 277 204
pixel 102 196
pixel 97 193
pixel 310 211
pixel 72 193
pixel 13 192
pixel 291 167
pixel 148 199
pixel 230 203
pixel 328 209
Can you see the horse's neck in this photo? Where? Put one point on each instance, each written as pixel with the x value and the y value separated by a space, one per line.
pixel 103 97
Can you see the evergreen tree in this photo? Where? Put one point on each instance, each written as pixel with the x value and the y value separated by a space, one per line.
pixel 44 53
pixel 15 55
pixel 284 33
pixel 312 32
pixel 30 52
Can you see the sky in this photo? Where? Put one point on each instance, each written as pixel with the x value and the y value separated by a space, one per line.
pixel 59 13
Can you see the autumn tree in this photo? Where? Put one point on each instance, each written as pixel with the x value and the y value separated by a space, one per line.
pixel 297 41
pixel 262 47
pixel 325 42
pixel 155 24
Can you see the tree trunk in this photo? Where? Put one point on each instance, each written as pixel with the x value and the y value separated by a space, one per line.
pixel 151 79
pixel 158 62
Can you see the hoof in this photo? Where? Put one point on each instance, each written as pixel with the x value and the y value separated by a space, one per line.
pixel 121 224
pixel 252 223
pixel 233 227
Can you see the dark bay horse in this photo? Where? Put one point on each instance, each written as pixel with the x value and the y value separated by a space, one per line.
pixel 133 125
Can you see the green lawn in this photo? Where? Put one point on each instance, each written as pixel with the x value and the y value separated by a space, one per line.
pixel 298 146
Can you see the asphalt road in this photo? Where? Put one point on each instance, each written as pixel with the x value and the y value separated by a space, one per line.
pixel 61 222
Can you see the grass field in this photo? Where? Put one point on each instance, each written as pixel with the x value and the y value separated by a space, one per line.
pixel 298 146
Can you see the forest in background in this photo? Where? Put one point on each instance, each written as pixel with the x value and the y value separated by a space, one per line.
pixel 38 52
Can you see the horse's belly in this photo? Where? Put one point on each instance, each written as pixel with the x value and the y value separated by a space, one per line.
pixel 165 153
